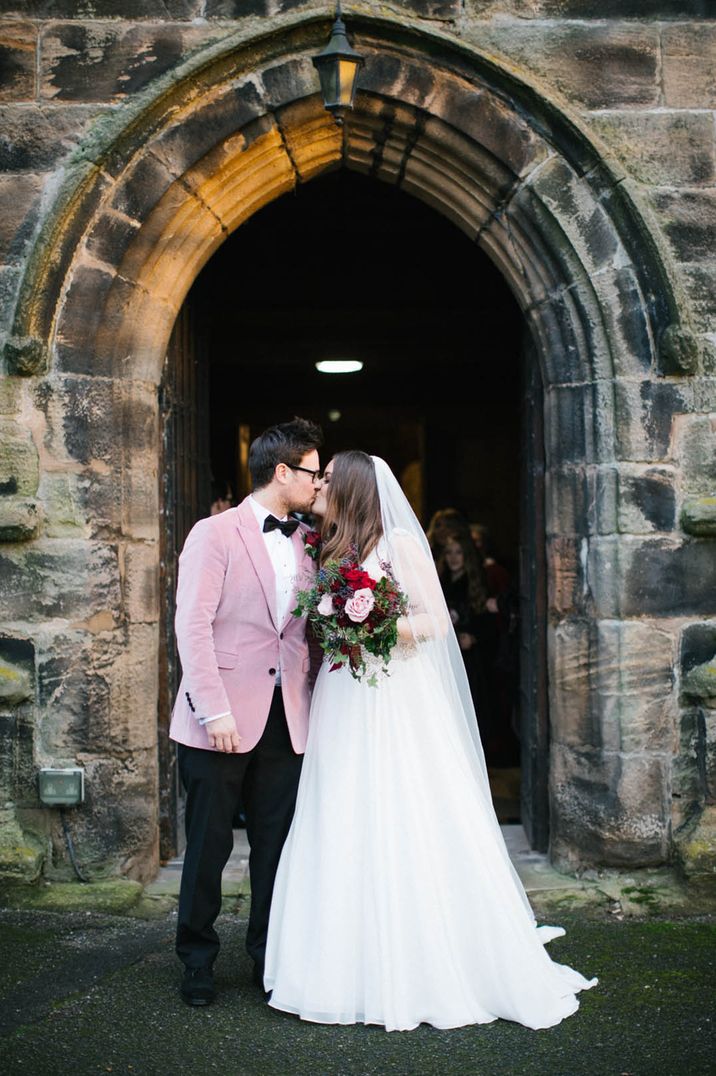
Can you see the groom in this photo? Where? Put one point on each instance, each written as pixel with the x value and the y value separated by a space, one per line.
pixel 241 714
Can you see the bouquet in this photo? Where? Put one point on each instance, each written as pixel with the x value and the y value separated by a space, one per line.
pixel 354 616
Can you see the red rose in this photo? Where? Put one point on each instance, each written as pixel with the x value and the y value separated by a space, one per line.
pixel 358 579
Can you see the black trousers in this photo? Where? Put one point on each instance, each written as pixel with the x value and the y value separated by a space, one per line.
pixel 266 780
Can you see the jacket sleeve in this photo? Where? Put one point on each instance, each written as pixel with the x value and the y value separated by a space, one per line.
pixel 202 568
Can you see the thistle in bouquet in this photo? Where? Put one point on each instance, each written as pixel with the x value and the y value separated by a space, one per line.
pixel 353 615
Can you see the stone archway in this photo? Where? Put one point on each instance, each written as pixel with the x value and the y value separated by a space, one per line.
pixel 147 203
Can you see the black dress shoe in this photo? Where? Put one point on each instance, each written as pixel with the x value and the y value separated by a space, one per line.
pixel 197 986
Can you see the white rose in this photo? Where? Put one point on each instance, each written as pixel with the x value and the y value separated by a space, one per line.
pixel 325 605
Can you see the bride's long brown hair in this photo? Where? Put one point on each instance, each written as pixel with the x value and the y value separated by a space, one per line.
pixel 353 507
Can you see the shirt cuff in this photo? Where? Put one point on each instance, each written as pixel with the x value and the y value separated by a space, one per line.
pixel 215 717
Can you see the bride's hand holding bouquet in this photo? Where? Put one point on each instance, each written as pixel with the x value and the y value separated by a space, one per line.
pixel 354 615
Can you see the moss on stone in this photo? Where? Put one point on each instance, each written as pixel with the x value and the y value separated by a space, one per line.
pixel 701 681
pixel 698 516
pixel 115 896
pixel 15 684
pixel 19 861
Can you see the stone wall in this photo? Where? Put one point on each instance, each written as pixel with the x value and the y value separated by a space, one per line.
pixel 632 612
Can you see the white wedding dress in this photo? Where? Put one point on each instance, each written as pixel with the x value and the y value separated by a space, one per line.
pixel 395 902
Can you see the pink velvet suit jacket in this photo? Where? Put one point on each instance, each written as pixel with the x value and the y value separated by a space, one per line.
pixel 229 640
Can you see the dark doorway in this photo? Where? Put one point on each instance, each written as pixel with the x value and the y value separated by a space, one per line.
pixel 349 268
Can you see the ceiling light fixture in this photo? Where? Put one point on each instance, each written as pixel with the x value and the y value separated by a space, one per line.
pixel 339 366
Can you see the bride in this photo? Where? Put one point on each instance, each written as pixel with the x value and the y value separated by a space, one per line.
pixel 395 901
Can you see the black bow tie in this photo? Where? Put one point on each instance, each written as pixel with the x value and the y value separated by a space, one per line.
pixel 286 526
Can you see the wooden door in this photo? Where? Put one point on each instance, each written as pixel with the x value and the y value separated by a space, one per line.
pixel 534 711
pixel 185 494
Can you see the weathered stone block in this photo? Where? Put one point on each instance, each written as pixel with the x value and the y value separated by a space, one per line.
pixel 635 723
pixel 314 143
pixel 611 686
pixel 19 463
pixel 140 582
pixel 481 116
pixel 185 143
pixel 698 644
pixel 698 517
pixel 19 520
pixel 688 786
pixel 688 218
pixel 139 192
pixel 645 412
pixel 36 138
pixel 21 856
pixel 705 386
pixel 634 658
pixel 573 422
pixel 574 719
pixel 112 9
pixel 689 65
pixel 19 197
pixel 623 307
pixel 290 81
pixel 571 201
pixel 695 451
pixel 18 771
pixel 18 44
pixel 695 848
pixel 25 356
pixel 58 578
pixel 62 499
pixel 83 314
pixel 665 579
pixel 88 409
pixel 133 684
pixel 10 279
pixel 610 809
pixel 647 499
pixel 103 61
pixel 235 9
pixel 110 236
pixel 424 9
pixel 700 282
pixel 651 577
pixel 73 698
pixel 614 9
pixel 565 573
pixel 602 66
pixel 661 149
pixel 567 500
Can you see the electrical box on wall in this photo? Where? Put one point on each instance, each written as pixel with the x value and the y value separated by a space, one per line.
pixel 62 788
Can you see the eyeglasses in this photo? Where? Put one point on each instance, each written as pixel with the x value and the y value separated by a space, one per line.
pixel 315 475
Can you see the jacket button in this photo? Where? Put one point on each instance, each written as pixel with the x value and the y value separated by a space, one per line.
pixel 272 672
pixel 281 635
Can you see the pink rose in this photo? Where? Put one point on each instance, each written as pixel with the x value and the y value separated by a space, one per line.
pixel 359 606
pixel 325 605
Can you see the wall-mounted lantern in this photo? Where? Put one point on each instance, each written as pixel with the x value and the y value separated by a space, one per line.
pixel 337 66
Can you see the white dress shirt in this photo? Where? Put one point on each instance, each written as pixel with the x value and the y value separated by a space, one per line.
pixel 283 559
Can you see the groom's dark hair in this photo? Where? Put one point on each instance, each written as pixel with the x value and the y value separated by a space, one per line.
pixel 286 443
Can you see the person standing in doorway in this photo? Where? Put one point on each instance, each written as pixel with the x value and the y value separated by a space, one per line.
pixel 241 713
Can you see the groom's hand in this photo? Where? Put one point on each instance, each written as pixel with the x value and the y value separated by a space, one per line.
pixel 223 735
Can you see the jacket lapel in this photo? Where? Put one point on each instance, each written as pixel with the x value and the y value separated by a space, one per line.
pixel 256 549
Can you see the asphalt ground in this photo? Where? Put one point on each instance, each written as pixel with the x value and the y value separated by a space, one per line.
pixel 88 993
